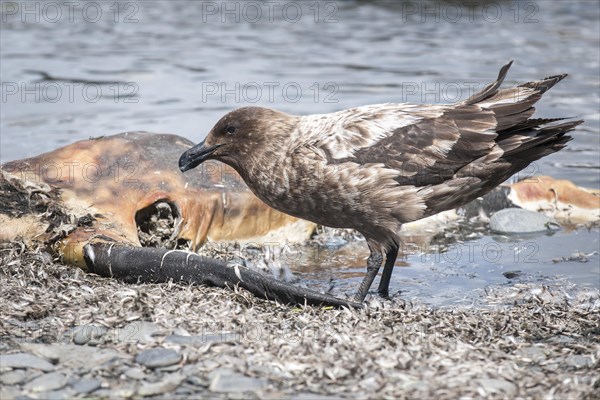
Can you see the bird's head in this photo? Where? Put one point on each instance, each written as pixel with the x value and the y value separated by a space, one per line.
pixel 243 134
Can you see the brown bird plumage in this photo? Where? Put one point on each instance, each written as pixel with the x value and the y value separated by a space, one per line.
pixel 376 167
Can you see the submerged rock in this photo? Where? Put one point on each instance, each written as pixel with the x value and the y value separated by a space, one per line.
pixel 517 220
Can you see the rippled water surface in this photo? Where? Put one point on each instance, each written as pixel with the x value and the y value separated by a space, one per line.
pixel 177 66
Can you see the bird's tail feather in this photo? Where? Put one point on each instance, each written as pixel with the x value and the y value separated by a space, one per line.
pixel 536 142
pixel 490 89
pixel 520 141
pixel 518 150
pixel 512 106
pixel 531 123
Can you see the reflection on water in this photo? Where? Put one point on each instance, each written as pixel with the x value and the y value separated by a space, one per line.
pixel 177 66
pixel 460 271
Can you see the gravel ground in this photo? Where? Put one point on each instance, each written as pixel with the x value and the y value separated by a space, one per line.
pixel 67 334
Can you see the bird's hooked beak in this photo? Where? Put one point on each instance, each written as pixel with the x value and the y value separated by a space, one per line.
pixel 196 156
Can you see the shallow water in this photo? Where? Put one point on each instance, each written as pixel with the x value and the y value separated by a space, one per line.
pixel 177 66
pixel 460 272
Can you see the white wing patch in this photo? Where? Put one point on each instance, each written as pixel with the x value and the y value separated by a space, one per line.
pixel 342 133
pixel 440 147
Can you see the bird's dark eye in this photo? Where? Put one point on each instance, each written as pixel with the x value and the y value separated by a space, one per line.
pixel 231 129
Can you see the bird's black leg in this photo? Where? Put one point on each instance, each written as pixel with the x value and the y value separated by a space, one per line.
pixel 388 268
pixel 373 265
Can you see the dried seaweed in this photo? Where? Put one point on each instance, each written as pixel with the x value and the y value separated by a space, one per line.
pixel 527 341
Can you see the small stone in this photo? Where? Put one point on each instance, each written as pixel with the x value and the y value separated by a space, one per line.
pixel 512 274
pixel 198 381
pixel 85 333
pixel 124 391
pixel 170 368
pixel 47 382
pixel 10 392
pixel 191 369
pixel 185 340
pixel 158 357
pixel 25 360
pixel 167 384
pixel 227 381
pixel 139 332
pixel 135 373
pixel 181 332
pixel 74 356
pixel 51 352
pixel 185 390
pixel 517 220
pixel 224 337
pixel 63 394
pixel 579 361
pixel 86 385
pixel 498 386
pixel 561 339
pixel 14 377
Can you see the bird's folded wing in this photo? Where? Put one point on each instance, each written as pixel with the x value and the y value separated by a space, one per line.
pixel 426 144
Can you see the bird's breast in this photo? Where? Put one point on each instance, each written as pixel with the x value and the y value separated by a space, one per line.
pixel 306 190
